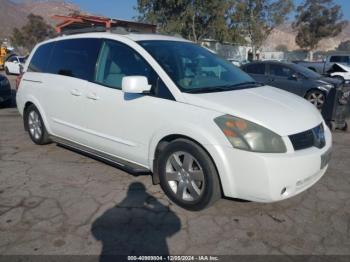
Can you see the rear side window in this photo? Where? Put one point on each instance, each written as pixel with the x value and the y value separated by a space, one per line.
pixel 258 69
pixel 340 59
pixel 40 59
pixel 75 58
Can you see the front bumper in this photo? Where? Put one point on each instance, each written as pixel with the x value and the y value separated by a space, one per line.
pixel 269 177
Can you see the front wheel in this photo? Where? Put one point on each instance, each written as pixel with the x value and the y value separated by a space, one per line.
pixel 188 176
pixel 316 97
pixel 35 126
pixel 7 71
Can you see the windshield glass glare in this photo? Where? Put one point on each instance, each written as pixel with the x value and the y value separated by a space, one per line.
pixel 194 68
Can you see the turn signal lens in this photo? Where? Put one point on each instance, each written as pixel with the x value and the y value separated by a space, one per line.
pixel 230 124
pixel 229 133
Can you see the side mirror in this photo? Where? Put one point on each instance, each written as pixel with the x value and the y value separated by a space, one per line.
pixel 294 77
pixel 135 85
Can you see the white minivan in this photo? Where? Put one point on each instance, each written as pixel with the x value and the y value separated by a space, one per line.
pixel 164 105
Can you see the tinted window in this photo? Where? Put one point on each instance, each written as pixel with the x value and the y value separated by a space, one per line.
pixel 75 58
pixel 13 59
pixel 258 69
pixel 40 59
pixel 195 69
pixel 339 59
pixel 282 71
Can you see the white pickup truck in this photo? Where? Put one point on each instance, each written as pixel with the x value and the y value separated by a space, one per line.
pixel 326 65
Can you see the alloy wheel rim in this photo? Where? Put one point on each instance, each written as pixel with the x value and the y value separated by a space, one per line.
pixel 185 176
pixel 34 125
pixel 317 99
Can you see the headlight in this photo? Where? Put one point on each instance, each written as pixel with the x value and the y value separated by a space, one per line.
pixel 249 136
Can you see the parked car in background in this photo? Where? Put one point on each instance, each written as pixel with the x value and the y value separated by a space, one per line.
pixel 13 64
pixel 341 72
pixel 293 78
pixel 324 66
pixel 234 61
pixel 160 104
pixel 5 91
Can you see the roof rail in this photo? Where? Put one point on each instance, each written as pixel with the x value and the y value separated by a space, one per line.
pixel 84 30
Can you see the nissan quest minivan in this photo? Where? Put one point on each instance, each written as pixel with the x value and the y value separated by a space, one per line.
pixel 160 104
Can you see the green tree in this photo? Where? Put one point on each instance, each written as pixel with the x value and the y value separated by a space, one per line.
pixel 282 48
pixel 193 19
pixel 344 46
pixel 315 20
pixel 255 19
pixel 36 30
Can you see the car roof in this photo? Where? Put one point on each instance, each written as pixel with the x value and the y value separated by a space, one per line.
pixel 131 36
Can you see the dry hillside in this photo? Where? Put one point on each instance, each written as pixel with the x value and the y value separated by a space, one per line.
pixel 13 14
pixel 284 34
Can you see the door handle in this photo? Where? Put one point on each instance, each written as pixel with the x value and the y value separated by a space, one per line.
pixel 75 92
pixel 92 96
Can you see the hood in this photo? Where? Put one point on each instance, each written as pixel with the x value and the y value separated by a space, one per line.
pixel 344 67
pixel 328 80
pixel 282 112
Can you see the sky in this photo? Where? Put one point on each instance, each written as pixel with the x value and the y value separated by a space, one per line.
pixel 124 9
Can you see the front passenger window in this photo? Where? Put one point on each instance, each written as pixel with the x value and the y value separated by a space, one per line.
pixel 281 71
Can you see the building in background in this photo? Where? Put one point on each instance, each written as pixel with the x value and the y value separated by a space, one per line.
pixel 80 22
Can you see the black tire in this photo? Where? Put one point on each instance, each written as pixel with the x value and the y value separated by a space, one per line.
pixel 6 104
pixel 41 138
pixel 7 71
pixel 210 188
pixel 315 96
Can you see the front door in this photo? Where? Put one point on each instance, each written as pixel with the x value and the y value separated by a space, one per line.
pixel 285 78
pixel 122 124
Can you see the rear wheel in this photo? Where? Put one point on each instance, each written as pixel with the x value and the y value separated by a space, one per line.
pixel 316 97
pixel 35 126
pixel 188 175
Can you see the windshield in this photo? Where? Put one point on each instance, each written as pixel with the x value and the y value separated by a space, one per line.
pixel 195 69
pixel 308 73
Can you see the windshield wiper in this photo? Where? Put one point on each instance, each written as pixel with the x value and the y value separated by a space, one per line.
pixel 223 88
pixel 207 90
pixel 246 84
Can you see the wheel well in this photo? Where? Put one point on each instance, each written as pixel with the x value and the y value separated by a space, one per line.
pixel 25 114
pixel 163 143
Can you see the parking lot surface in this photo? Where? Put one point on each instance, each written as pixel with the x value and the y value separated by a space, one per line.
pixel 55 201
